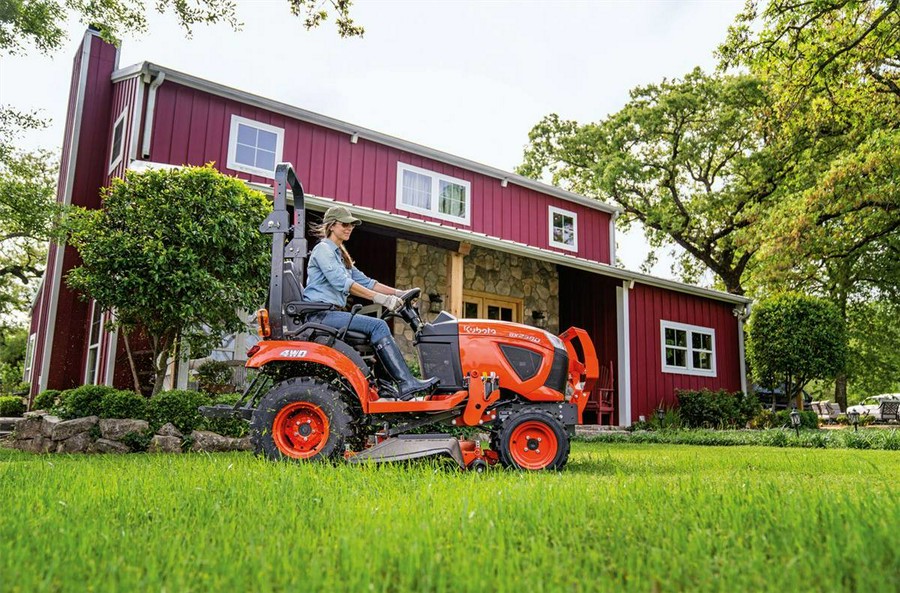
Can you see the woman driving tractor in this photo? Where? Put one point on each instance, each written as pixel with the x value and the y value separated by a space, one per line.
pixel 332 277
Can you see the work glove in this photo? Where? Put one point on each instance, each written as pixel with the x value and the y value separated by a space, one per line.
pixel 388 301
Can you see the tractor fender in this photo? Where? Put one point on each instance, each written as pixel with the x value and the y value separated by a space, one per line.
pixel 310 352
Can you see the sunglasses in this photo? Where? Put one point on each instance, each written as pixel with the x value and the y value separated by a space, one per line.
pixel 348 224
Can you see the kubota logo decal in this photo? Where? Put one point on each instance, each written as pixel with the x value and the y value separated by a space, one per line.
pixel 293 353
pixel 484 331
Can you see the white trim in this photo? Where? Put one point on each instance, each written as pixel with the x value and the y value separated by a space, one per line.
pixel 689 348
pixel 112 344
pixel 151 110
pixel 623 339
pixel 436 178
pixel 28 369
pixel 741 313
pixel 551 210
pixel 98 347
pixel 233 164
pixel 116 159
pixel 136 120
pixel 67 199
pixel 363 133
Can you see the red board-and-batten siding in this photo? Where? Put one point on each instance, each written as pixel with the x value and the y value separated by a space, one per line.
pixel 650 386
pixel 192 127
pixel 67 342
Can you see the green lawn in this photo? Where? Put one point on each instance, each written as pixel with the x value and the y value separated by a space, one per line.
pixel 621 517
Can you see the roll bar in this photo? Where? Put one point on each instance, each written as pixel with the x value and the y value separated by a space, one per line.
pixel 288 241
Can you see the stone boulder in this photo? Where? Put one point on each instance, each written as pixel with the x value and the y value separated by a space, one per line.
pixel 78 443
pixel 108 446
pixel 211 442
pixel 114 429
pixel 69 428
pixel 168 430
pixel 38 444
pixel 48 424
pixel 164 444
pixel 29 428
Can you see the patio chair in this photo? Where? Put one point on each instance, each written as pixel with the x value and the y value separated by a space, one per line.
pixel 601 399
pixel 890 410
pixel 817 408
pixel 834 411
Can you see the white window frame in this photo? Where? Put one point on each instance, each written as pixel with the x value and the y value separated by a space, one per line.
pixel 436 179
pixel 551 210
pixel 93 346
pixel 233 164
pixel 29 358
pixel 115 159
pixel 689 351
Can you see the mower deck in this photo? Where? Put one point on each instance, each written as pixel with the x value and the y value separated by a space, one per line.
pixel 412 446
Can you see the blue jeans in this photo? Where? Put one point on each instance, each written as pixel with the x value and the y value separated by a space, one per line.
pixel 376 329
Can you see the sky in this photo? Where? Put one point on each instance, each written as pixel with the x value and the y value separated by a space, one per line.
pixel 467 77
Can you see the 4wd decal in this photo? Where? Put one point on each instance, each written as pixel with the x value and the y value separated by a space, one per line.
pixel 293 353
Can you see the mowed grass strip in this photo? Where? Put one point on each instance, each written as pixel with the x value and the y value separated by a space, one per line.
pixel 621 517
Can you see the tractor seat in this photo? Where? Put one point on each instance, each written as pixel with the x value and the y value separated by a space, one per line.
pixel 297 308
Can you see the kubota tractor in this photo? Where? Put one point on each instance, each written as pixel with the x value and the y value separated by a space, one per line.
pixel 320 392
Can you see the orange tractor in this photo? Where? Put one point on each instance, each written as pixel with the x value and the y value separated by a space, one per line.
pixel 321 394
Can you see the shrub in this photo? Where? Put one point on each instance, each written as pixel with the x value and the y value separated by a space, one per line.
pixel 179 408
pixel 81 401
pixel 138 441
pixel 715 409
pixel 214 376
pixel 229 427
pixel 123 404
pixel 11 406
pixel 45 399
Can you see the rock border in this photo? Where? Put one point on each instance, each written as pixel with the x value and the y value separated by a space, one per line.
pixel 39 432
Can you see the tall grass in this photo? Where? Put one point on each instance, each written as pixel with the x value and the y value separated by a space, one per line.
pixel 621 517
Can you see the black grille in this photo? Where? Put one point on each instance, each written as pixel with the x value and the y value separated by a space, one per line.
pixel 441 361
pixel 559 371
pixel 523 361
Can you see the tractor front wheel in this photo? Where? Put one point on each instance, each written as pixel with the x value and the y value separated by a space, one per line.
pixel 301 419
pixel 533 440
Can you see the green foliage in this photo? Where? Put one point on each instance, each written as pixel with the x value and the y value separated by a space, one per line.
pixel 82 401
pixel 793 339
pixel 175 252
pixel 11 406
pixel 715 409
pixel 775 437
pixel 138 442
pixel 229 427
pixel 214 376
pixel 873 363
pixel 178 407
pixel 123 404
pixel 686 157
pixel 46 399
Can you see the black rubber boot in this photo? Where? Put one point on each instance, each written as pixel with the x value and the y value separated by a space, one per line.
pixel 408 386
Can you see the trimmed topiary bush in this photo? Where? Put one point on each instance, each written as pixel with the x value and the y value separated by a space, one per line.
pixel 46 399
pixel 178 407
pixel 81 401
pixel 123 404
pixel 11 406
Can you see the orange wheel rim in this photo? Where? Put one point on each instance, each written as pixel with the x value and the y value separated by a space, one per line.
pixel 300 430
pixel 533 445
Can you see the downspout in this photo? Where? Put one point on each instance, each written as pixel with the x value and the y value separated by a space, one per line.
pixel 151 107
pixel 742 313
pixel 612 238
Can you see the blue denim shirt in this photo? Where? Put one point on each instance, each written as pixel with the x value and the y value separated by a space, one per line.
pixel 327 278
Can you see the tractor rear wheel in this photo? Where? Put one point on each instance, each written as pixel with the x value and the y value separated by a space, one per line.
pixel 533 440
pixel 302 419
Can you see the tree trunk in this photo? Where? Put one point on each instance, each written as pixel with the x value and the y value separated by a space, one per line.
pixel 134 373
pixel 840 390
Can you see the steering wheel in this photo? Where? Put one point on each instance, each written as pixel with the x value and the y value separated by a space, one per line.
pixel 407 312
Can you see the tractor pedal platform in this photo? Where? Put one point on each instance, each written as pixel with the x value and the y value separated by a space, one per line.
pixel 412 446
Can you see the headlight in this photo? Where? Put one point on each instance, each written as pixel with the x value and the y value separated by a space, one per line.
pixel 557 343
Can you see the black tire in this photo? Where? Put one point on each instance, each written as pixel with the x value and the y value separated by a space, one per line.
pixel 519 449
pixel 306 397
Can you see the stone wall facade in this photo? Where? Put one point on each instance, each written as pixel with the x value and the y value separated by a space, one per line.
pixel 487 271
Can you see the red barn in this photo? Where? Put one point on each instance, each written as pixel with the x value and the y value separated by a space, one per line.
pixel 479 241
